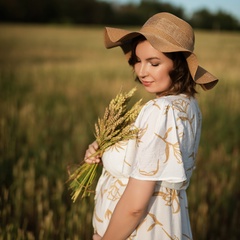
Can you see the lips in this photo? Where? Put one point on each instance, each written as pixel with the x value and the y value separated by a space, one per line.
pixel 146 84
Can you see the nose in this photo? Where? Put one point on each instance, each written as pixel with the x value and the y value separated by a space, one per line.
pixel 142 70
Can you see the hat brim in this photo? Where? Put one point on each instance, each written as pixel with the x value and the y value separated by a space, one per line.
pixel 119 37
pixel 114 37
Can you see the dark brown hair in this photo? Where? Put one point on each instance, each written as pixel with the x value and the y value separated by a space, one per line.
pixel 182 81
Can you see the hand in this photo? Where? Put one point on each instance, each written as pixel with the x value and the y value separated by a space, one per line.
pixel 96 237
pixel 92 148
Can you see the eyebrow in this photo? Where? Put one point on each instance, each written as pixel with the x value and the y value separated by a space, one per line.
pixel 153 58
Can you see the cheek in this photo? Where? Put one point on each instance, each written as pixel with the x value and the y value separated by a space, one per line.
pixel 167 69
pixel 163 73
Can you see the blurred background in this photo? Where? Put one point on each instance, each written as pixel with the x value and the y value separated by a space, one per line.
pixel 56 78
pixel 217 15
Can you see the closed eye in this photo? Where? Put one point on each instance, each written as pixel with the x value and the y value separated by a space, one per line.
pixel 155 64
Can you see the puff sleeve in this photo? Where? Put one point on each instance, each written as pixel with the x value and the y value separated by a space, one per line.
pixel 157 155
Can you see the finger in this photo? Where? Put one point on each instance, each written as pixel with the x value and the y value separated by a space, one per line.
pixel 92 160
pixel 95 145
pixel 91 154
pixel 89 158
pixel 92 148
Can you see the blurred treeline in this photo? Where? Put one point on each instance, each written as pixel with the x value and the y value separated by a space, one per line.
pixel 100 12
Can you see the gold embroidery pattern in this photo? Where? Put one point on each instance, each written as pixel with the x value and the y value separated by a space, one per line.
pixel 155 222
pixel 108 214
pixel 175 147
pixel 114 193
pixel 182 106
pixel 118 146
pixel 155 104
pixel 140 134
pixel 169 236
pixel 97 218
pixel 138 140
pixel 125 161
pixel 167 109
pixel 151 173
pixel 171 198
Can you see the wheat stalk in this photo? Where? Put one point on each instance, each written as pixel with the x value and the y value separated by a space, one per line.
pixel 117 124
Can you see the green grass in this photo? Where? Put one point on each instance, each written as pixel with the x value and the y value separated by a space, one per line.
pixel 54 82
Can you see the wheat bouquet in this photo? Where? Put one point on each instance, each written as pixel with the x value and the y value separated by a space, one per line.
pixel 117 124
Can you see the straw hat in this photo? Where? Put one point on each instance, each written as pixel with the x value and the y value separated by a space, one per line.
pixel 166 33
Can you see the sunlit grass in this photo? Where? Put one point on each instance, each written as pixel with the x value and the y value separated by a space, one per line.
pixel 54 82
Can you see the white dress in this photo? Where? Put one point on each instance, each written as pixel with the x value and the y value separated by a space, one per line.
pixel 164 151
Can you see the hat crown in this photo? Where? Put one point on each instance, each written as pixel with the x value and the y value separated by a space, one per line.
pixel 172 29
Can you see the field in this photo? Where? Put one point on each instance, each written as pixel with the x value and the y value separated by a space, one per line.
pixel 54 82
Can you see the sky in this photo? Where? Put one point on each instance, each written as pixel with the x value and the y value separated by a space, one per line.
pixel 190 6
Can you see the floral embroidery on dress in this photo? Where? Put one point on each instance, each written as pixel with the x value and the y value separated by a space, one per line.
pixel 171 198
pixel 113 192
pixel 175 147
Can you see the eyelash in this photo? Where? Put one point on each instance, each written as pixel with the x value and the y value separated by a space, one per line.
pixel 153 64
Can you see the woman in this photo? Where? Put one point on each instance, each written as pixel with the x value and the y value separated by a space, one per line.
pixel 141 194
